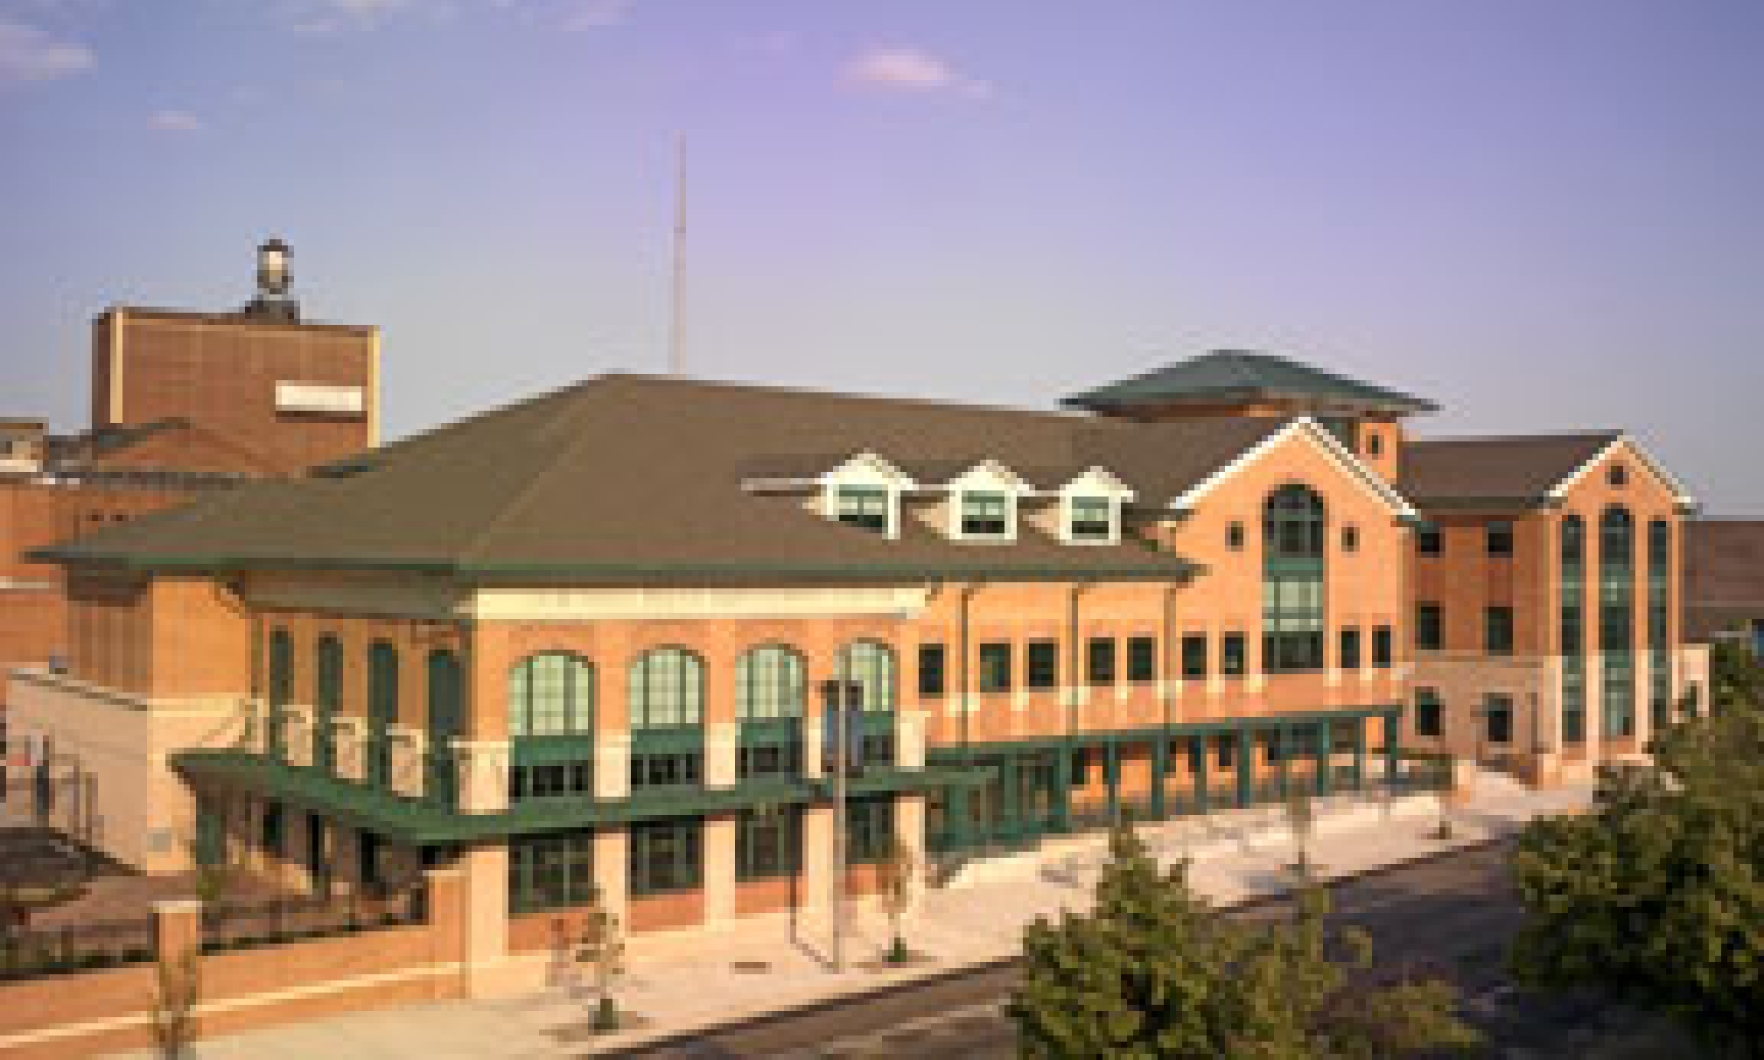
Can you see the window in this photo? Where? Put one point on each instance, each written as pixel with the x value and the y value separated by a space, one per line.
pixel 1225 752
pixel 1092 519
pixel 551 727
pixel 768 757
pixel 769 684
pixel 1374 443
pixel 1428 713
pixel 1234 537
pixel 1292 580
pixel 1498 537
pixel 871 665
pixel 549 780
pixel 1572 629
pixel 1497 630
pixel 666 856
pixel 1350 648
pixel 666 689
pixel 1428 540
pixel 995 667
pixel 550 871
pixel 1618 475
pixel 985 515
pixel 768 843
pixel 281 692
pixel 869 829
pixel 367 858
pixel 1616 620
pixel 1429 627
pixel 1350 539
pixel 1194 655
pixel 1381 647
pixel 272 832
pixel 665 769
pixel 1099 658
pixel 328 697
pixel 1497 714
pixel 382 711
pixel 1043 664
pixel 1233 655
pixel 1142 659
pixel 446 708
pixel 931 670
pixel 863 506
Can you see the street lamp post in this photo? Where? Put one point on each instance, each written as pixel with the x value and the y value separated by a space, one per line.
pixel 841 701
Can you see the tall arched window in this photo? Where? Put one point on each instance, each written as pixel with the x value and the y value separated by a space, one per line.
pixel 1659 628
pixel 1573 629
pixel 327 702
pixel 281 692
pixel 871 665
pixel 770 689
pixel 382 711
pixel 446 724
pixel 1617 619
pixel 666 706
pixel 551 726
pixel 1293 537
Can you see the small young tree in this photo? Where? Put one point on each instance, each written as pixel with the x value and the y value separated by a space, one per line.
pixel 1155 971
pixel 1301 821
pixel 602 948
pixel 178 987
pixel 899 871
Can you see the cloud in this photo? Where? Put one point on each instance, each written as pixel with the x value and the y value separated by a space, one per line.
pixel 332 16
pixel 597 14
pixel 176 121
pixel 29 54
pixel 911 70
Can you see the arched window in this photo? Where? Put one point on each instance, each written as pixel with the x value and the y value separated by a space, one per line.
pixel 551 694
pixel 281 691
pixel 769 684
pixel 871 665
pixel 382 710
pixel 551 727
pixel 327 702
pixel 446 724
pixel 1617 618
pixel 667 689
pixel 1573 629
pixel 1293 535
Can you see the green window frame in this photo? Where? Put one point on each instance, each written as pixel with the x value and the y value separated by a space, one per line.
pixel 1142 659
pixel 446 712
pixel 1429 713
pixel 551 703
pixel 770 684
pixel 869 829
pixel 1294 530
pixel 281 693
pixel 666 689
pixel 1099 660
pixel 933 670
pixel 1042 664
pixel 1092 519
pixel 1572 628
pixel 865 507
pixel 382 700
pixel 1497 630
pixel 871 665
pixel 1429 627
pixel 1194 655
pixel 1233 655
pixel 1617 620
pixel 552 871
pixel 995 666
pixel 985 514
pixel 768 842
pixel 667 856
pixel 327 702
pixel 1350 648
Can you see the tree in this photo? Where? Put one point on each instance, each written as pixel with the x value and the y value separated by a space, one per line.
pixel 1156 971
pixel 178 986
pixel 602 948
pixel 1656 898
pixel 898 869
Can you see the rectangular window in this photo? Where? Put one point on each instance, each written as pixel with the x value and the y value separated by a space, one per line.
pixel 985 515
pixel 768 843
pixel 864 506
pixel 1225 752
pixel 1498 630
pixel 1381 647
pixel 1429 541
pixel 1043 664
pixel 768 758
pixel 1234 655
pixel 665 856
pixel 1497 712
pixel 1099 657
pixel 1091 519
pixel 1194 655
pixel 1429 627
pixel 869 829
pixel 1499 537
pixel 1428 719
pixel 1573 629
pixel 665 770
pixel 550 871
pixel 1142 659
pixel 995 667
pixel 1350 648
pixel 550 780
pixel 931 670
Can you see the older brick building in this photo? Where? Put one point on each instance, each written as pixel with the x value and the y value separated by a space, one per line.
pixel 576 643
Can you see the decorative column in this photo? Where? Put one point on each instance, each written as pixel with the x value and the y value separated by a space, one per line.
pixel 719 868
pixel 486 917
pixel 348 732
pixel 817 861
pixel 612 872
pixel 483 775
pixel 721 739
pixel 407 759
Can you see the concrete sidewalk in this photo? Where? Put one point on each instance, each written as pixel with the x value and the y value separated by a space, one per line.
pixel 690 981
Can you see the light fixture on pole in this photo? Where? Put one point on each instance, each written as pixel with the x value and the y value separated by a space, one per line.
pixel 841 702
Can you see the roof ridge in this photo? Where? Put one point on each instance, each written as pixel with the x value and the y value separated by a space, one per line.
pixel 1561 435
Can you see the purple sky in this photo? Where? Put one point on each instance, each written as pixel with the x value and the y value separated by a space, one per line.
pixel 1541 214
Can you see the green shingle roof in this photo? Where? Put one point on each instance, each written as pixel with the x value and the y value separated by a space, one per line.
pixel 1229 376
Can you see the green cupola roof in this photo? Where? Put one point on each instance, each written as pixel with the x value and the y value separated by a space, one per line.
pixel 1232 376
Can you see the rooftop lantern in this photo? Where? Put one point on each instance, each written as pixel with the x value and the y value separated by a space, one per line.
pixel 274 278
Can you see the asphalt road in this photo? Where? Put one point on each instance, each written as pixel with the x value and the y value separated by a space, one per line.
pixel 1451 916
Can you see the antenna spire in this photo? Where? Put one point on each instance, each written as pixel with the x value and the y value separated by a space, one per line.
pixel 677 334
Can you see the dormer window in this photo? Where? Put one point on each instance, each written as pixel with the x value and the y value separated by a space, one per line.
pixel 863 506
pixel 1092 519
pixel 985 514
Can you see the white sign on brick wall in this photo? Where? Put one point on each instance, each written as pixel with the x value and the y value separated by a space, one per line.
pixel 328 398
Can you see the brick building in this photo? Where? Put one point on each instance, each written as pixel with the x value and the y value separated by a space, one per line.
pixel 577 643
pixel 1724 581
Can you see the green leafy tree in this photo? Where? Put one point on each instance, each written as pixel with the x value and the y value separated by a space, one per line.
pixel 899 871
pixel 602 948
pixel 1656 897
pixel 177 989
pixel 1156 971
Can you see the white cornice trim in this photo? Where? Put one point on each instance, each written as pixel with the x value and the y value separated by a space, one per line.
pixel 1680 495
pixel 1338 454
